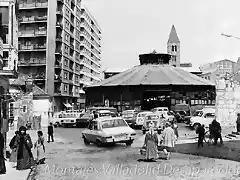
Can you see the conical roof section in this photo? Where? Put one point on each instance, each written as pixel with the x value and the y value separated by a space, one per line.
pixel 173 37
pixel 151 74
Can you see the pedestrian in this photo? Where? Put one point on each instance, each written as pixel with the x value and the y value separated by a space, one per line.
pixel 217 129
pixel 50 132
pixel 151 144
pixel 175 128
pixel 2 158
pixel 238 122
pixel 13 157
pixel 201 133
pixel 39 145
pixel 24 145
pixel 95 115
pixel 169 139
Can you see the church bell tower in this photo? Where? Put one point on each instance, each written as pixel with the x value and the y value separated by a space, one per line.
pixel 173 47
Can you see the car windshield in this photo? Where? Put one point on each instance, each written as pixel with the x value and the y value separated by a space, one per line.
pixel 198 113
pixel 152 117
pixel 129 114
pixel 113 123
pixel 210 115
pixel 104 114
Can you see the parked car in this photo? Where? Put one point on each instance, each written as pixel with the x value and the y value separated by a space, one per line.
pixel 155 119
pixel 204 116
pixel 106 130
pixel 183 112
pixel 130 116
pixel 141 117
pixel 164 111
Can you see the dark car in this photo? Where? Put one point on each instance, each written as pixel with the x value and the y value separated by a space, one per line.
pixel 182 112
pixel 130 116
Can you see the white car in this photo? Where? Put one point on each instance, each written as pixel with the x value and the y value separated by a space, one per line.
pixel 106 130
pixel 164 112
pixel 204 116
pixel 141 117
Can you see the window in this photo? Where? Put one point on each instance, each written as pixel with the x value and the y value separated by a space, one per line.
pixel 65 88
pixel 24 109
pixel 67 37
pixel 66 50
pixel 113 123
pixel 67 24
pixel 65 75
pixel 172 48
pixel 67 12
pixel 66 62
pixel 175 48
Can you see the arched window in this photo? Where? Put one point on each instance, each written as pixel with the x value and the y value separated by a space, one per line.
pixel 175 48
pixel 172 48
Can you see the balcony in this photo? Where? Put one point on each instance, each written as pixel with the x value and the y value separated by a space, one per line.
pixel 61 1
pixel 33 19
pixel 35 47
pixel 57 92
pixel 72 46
pixel 58 65
pixel 39 77
pixel 32 33
pixel 59 12
pixel 33 5
pixel 57 78
pixel 32 62
pixel 59 25
pixel 58 51
pixel 59 38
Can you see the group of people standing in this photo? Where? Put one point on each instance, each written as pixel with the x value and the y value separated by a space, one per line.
pixel 21 146
pixel 167 140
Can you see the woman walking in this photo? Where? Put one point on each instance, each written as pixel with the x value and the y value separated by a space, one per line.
pixel 168 139
pixel 2 158
pixel 24 144
pixel 151 142
pixel 39 145
pixel 13 157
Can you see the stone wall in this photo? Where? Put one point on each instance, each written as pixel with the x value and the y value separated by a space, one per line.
pixel 227 102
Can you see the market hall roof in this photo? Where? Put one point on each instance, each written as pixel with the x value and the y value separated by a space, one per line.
pixel 153 74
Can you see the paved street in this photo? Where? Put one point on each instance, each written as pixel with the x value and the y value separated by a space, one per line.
pixel 69 159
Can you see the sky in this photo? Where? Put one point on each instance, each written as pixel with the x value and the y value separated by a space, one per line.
pixel 132 27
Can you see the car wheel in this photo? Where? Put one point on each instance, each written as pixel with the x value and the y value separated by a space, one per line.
pixel 195 126
pixel 99 143
pixel 129 143
pixel 86 142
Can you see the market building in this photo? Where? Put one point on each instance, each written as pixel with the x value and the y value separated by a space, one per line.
pixel 153 83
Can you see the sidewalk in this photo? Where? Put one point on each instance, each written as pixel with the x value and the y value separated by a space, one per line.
pixel 12 173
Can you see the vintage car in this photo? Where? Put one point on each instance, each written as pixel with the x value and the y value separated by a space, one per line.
pixel 105 130
pixel 88 115
pixel 141 117
pixel 156 120
pixel 130 117
pixel 164 112
pixel 204 116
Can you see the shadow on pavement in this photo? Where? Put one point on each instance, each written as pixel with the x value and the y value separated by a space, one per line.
pixel 230 150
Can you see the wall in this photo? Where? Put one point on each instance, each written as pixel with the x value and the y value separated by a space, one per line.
pixel 227 102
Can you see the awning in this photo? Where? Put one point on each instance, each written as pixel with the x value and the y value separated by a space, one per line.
pixel 82 91
pixel 67 105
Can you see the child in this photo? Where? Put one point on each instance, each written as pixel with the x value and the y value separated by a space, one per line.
pixel 201 132
pixel 50 132
pixel 39 144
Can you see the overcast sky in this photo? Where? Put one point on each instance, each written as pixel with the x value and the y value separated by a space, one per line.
pixel 131 27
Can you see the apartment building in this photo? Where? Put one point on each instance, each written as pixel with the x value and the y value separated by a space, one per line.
pixel 9 33
pixel 90 50
pixel 218 69
pixel 52 49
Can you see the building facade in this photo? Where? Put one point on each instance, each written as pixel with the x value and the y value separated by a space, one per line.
pixel 51 49
pixel 219 69
pixel 90 47
pixel 9 33
pixel 173 47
